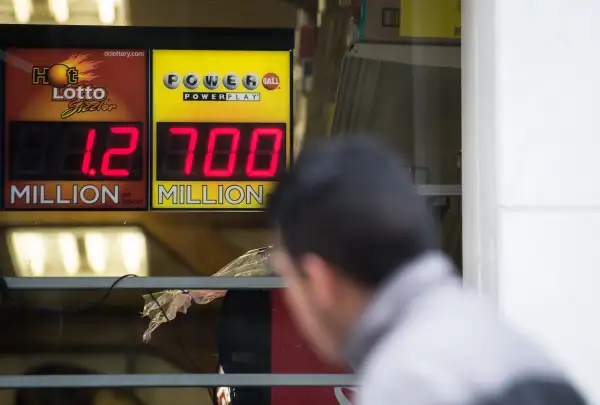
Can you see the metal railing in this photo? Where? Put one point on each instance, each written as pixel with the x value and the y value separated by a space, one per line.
pixel 144 283
pixel 174 380
pixel 439 190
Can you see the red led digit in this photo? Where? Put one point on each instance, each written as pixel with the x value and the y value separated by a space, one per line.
pixel 232 152
pixel 191 149
pixel 134 135
pixel 277 133
pixel 89 145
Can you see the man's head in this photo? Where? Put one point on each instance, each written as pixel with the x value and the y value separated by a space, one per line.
pixel 345 217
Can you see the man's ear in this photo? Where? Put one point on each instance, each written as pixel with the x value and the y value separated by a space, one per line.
pixel 281 264
pixel 321 279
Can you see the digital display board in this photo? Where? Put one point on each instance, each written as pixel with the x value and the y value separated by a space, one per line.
pixel 75 129
pixel 222 124
pixel 216 151
pixel 130 118
pixel 75 151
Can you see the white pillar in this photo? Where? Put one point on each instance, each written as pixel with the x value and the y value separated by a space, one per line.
pixel 531 171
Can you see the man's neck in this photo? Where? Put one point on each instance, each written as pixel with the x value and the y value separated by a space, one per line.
pixel 386 307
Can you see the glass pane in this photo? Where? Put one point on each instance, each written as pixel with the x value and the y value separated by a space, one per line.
pixel 414 108
pixel 408 94
pixel 247 331
pixel 104 336
pixel 400 82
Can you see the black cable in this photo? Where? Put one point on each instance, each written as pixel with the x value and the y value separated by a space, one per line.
pixel 6 297
pixel 94 304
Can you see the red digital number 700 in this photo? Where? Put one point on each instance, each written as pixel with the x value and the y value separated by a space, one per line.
pixel 234 134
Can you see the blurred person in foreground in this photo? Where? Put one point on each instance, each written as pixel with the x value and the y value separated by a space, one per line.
pixel 368 286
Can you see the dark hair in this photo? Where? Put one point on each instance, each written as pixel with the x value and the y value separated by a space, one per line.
pixel 351 201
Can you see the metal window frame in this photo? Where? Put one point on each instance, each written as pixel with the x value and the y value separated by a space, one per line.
pixel 439 190
pixel 144 283
pixel 174 380
pixel 423 55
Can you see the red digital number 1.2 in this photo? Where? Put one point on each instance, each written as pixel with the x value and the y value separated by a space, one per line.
pixel 134 136
pixel 87 157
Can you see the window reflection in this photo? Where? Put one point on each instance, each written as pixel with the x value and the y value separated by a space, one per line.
pixel 413 103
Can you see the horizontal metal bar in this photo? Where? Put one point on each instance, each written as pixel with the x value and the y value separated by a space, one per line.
pixel 439 190
pixel 175 380
pixel 144 283
pixel 413 54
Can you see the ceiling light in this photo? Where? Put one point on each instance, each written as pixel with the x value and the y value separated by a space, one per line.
pixel 32 259
pixel 78 251
pixel 95 248
pixel 23 10
pixel 132 246
pixel 107 11
pixel 69 252
pixel 60 10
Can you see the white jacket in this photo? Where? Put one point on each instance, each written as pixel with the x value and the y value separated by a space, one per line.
pixel 424 340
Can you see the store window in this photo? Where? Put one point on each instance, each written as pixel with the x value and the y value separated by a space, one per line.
pixel 402 83
pixel 75 281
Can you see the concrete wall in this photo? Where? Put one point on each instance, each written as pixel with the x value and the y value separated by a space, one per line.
pixel 530 171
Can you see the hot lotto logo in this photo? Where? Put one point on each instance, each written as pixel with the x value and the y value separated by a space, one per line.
pixel 71 83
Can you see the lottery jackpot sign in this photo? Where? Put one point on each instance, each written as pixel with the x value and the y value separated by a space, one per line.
pixel 74 134
pixel 135 119
pixel 221 127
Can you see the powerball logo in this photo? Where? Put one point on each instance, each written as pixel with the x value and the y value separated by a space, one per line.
pixel 71 83
pixel 212 81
